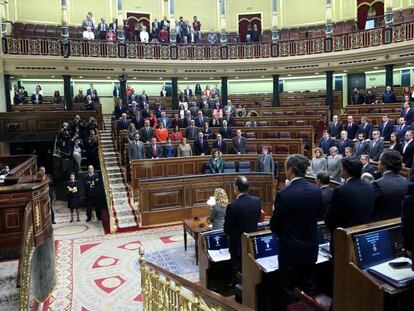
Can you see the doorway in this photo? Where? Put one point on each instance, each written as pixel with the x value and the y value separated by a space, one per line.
pixel 246 22
pixel 133 20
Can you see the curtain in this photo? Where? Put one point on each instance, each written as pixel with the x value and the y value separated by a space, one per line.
pixel 246 20
pixel 363 8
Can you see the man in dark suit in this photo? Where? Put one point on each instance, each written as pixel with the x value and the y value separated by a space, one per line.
pixel 388 97
pixel 357 97
pixel 408 149
pixel 361 146
pixel 119 108
pixel 164 120
pixel 136 149
pixel 407 220
pixel 401 129
pixel 220 144
pixel 201 145
pixel 226 131
pixel 146 133
pixel 352 203
pixel 407 112
pixel 92 182
pixel 351 128
pixel 365 127
pixel 326 142
pixel 376 146
pixel 343 143
pixel 123 122
pixel 114 24
pixel 91 90
pixel 188 92
pixel 366 167
pixel 294 221
pixel 391 188
pixel 265 163
pixel 239 143
pixel 188 118
pixel 323 180
pixel 242 215
pixel 228 118
pixel 386 128
pixel 102 29
pixel 191 131
pixel 153 150
pixel 200 119
pixel 335 128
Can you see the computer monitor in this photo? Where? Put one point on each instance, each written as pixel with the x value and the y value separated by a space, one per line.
pixel 373 248
pixel 217 241
pixel 265 245
pixel 324 235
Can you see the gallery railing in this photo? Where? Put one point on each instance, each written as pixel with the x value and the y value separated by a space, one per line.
pixel 132 50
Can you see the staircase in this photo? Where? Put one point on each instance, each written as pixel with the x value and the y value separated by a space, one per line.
pixel 123 213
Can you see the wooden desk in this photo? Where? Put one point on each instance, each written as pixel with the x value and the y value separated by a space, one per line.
pixel 195 226
pixel 355 289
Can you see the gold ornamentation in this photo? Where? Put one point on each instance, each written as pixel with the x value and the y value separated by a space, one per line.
pixel 34 47
pixel 375 37
pixel 233 51
pixel 199 52
pixel 284 49
pixel 338 43
pixel 182 52
pixel 75 48
pixel 165 52
pixel 214 52
pixel 148 51
pixel 399 33
pixel 112 49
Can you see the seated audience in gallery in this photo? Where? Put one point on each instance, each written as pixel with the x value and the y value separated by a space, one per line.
pixel 191 131
pixel 264 162
pixel 318 162
pixel 218 208
pixel 334 164
pixel 239 143
pixel 57 99
pixel 366 165
pixel 391 188
pixel 395 143
pixel 388 97
pixel 408 149
pixel 88 34
pixel 386 128
pixel 407 112
pixel 376 146
pixel 169 149
pixel 365 127
pixel 220 144
pixel 361 146
pixel 184 149
pixel 370 97
pixel 323 181
pixel 154 151
pixel 80 98
pixel 161 133
pixel 201 146
pixel 326 142
pixel 37 98
pixel 216 162
pixel 344 142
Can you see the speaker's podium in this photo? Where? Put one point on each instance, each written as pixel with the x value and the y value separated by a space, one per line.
pixel 215 269
pixel 260 268
pixel 370 270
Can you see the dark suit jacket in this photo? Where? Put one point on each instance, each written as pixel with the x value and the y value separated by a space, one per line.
pixel 228 134
pixel 239 147
pixel 119 110
pixel 123 124
pixel 229 120
pixel 191 132
pixel 351 129
pixel 401 131
pixel 150 152
pixel 375 151
pixel 408 116
pixel 388 98
pixel 386 130
pixel 368 169
pixel 390 190
pixel 361 147
pixel 39 98
pixel 408 154
pixel 327 193
pixel 146 136
pixel 242 215
pixel 335 130
pixel 326 144
pixel 294 221
pixel 352 204
pixel 342 144
pixel 407 219
pixel 201 148
pixel 223 147
pixel 367 130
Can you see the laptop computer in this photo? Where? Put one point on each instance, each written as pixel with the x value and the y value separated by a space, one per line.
pixel 265 250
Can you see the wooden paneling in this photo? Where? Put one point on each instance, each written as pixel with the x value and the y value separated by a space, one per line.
pixel 374 108
pixel 170 199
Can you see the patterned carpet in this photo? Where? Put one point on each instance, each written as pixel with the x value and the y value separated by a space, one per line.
pixel 101 272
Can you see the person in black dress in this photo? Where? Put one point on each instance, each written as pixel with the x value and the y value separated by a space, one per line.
pixel 72 188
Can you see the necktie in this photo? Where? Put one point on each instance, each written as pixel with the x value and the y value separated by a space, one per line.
pixel 238 140
pixel 219 144
pixel 264 160
pixel 154 149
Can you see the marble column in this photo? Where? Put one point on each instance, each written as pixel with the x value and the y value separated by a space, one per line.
pixel 64 27
pixel 223 22
pixel 329 91
pixel 173 33
pixel 121 33
pixel 388 14
pixel 67 92
pixel 329 25
pixel 389 75
pixel 275 24
pixel 276 91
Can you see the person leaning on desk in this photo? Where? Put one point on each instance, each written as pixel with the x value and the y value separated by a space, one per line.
pixel 294 221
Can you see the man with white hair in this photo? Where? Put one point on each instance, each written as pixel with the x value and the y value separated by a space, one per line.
pixel 143 35
pixel 88 34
